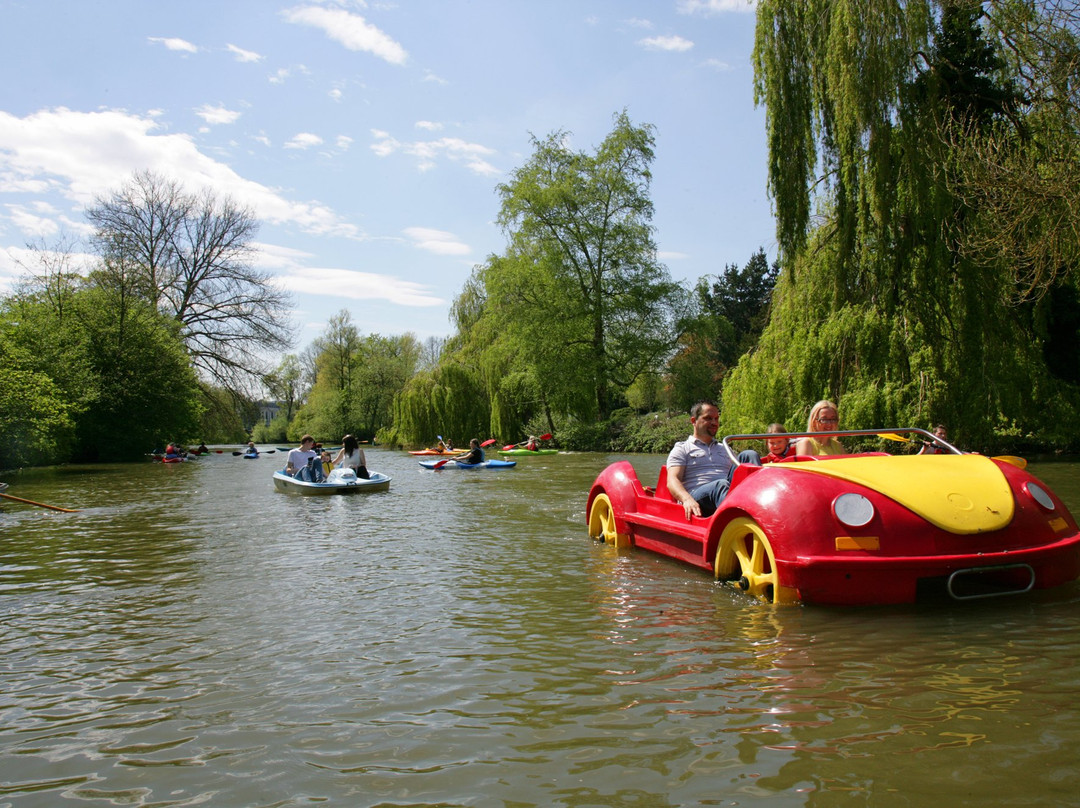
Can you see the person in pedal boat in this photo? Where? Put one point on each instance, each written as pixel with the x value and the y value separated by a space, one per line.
pixel 351 456
pixel 779 448
pixel 824 417
pixel 473 456
pixel 699 469
pixel 933 448
pixel 299 458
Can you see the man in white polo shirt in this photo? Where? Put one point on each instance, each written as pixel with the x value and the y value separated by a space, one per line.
pixel 699 468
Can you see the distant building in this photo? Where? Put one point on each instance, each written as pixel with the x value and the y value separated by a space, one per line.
pixel 268 410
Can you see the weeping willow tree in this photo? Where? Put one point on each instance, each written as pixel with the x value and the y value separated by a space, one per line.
pixel 882 303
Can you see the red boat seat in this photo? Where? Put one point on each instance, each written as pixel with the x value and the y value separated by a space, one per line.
pixel 661 486
pixel 742 472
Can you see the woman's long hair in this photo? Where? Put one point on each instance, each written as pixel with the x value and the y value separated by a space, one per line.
pixel 350 444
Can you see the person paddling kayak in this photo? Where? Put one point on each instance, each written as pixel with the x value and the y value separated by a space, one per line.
pixel 473 456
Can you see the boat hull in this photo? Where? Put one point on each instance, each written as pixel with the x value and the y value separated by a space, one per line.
pixel 290 485
pixel 453 464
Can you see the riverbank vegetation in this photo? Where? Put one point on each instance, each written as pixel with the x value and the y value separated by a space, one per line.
pixel 924 162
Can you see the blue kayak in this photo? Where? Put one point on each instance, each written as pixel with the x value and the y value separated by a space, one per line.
pixel 454 464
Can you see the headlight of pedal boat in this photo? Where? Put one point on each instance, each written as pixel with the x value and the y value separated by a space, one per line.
pixel 1038 493
pixel 853 510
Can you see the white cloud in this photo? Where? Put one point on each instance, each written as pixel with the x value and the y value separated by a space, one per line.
pixel 436 241
pixel 349 283
pixel 715 6
pixel 343 142
pixel 81 155
pixel 244 55
pixel 429 76
pixel 216 115
pixel 430 126
pixel 336 94
pixel 31 223
pixel 279 76
pixel 428 152
pixel 719 65
pixel 304 140
pixel 175 44
pixel 668 255
pixel 17 262
pixel 638 22
pixel 666 43
pixel 289 265
pixel 350 30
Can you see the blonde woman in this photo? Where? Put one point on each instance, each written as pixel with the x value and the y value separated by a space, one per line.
pixel 824 417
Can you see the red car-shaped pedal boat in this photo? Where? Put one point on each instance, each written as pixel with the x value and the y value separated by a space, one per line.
pixel 865 528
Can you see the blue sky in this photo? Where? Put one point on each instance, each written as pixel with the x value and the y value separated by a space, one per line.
pixel 369 137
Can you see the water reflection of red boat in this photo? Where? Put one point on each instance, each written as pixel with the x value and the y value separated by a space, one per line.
pixel 867 528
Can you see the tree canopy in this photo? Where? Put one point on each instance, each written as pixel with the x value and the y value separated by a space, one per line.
pixel 188 255
pixel 896 124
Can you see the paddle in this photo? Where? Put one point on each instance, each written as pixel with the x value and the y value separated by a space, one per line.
pixel 488 442
pixel 1019 462
pixel 39 504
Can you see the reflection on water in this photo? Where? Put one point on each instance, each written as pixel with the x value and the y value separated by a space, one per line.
pixel 194 637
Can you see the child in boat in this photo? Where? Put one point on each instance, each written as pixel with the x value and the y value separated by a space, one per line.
pixel 779 448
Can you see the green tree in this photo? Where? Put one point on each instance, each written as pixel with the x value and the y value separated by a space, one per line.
pixel 389 363
pixel 728 317
pixel 36 419
pixel 332 398
pixel 286 385
pixel 580 285
pixel 147 392
pixel 883 303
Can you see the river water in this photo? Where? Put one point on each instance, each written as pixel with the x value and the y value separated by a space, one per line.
pixel 192 637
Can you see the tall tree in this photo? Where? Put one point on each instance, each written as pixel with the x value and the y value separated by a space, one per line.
pixel 286 385
pixel 338 356
pixel 192 255
pixel 580 282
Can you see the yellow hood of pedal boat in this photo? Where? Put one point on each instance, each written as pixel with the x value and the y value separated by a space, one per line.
pixel 958 493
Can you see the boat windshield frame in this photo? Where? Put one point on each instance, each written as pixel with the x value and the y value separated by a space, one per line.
pixel 897 434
